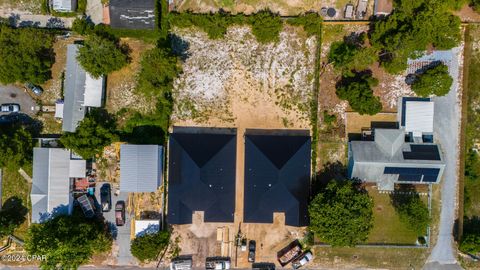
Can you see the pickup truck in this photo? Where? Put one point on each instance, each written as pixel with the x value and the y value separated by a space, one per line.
pixel 289 253
pixel 120 213
pixel 302 260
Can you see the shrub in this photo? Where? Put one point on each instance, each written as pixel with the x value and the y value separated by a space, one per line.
pixel 311 23
pixel 342 214
pixel 434 81
pixel 412 211
pixel 350 55
pixel 266 26
pixel 470 243
pixel 82 26
pixel 147 247
pixel 81 6
pixel 357 90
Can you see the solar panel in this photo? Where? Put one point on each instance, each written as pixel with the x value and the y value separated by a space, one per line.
pixel 422 152
pixel 414 174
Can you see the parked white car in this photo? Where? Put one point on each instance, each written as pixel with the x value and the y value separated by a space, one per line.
pixel 10 107
pixel 302 260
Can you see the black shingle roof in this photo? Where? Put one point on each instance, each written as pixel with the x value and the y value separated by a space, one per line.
pixel 132 14
pixel 277 178
pixel 201 177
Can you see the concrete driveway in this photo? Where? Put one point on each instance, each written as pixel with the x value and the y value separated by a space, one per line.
pixel 447 130
pixel 95 11
pixel 121 234
pixel 13 94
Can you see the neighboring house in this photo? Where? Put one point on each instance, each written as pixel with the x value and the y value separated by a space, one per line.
pixel 53 171
pixel 277 177
pixel 149 226
pixel 140 167
pixel 132 14
pixel 400 156
pixel 201 175
pixel 64 5
pixel 81 91
pixel 382 7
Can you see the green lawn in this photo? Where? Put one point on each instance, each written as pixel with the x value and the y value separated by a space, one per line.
pixel 35 6
pixel 382 258
pixel 387 226
pixel 13 185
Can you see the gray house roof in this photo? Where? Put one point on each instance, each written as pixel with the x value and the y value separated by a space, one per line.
pixel 80 92
pixel 140 167
pixel 132 14
pixel 50 193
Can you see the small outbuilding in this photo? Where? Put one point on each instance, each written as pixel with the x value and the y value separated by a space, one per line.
pixel 140 167
pixel 143 227
pixel 382 7
pixel 64 5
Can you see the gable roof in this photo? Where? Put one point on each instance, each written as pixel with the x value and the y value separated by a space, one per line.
pixel 132 14
pixel 50 192
pixel 277 178
pixel 79 91
pixel 389 140
pixel 140 167
pixel 201 177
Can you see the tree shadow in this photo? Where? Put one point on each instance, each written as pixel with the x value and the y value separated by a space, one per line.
pixel 179 46
pixel 146 134
pixel 403 195
pixel 471 225
pixel 56 23
pixel 331 171
pixel 12 215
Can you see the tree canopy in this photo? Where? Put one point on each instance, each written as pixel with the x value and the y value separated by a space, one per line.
pixel 16 144
pixel 412 211
pixel 102 54
pixel 68 241
pixel 311 23
pixel 411 28
pixel 266 26
pixel 357 90
pixel 26 55
pixel 147 247
pixel 12 215
pixel 97 130
pixel 434 81
pixel 341 214
pixel 352 54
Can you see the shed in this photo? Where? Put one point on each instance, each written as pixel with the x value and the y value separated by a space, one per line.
pixel 382 7
pixel 64 5
pixel 140 167
pixel 59 110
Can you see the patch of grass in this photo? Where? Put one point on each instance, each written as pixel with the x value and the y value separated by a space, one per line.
pixel 332 32
pixel 388 228
pixel 391 258
pixel 149 36
pixel 13 185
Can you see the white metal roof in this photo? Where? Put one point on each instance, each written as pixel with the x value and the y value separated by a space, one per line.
pixel 146 226
pixel 78 168
pixel 140 167
pixel 419 116
pixel 93 91
pixel 63 5
pixel 59 110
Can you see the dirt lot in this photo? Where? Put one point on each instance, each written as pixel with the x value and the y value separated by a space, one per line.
pixel 284 7
pixel 33 6
pixel 356 122
pixel 121 84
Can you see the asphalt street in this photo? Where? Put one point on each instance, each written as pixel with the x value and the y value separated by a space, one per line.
pixel 13 94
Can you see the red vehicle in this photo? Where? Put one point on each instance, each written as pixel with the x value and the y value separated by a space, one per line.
pixel 120 213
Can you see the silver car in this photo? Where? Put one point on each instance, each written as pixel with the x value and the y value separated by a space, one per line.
pixel 10 107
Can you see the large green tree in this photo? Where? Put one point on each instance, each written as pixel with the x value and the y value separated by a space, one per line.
pixel 102 54
pixel 26 55
pixel 97 130
pixel 411 28
pixel 434 81
pixel 357 90
pixel 12 215
pixel 16 144
pixel 341 214
pixel 68 241
pixel 348 55
pixel 147 247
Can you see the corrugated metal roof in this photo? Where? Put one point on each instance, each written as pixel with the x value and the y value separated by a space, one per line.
pixel 140 167
pixel 73 110
pixel 78 168
pixel 59 110
pixel 50 193
pixel 419 116
pixel 143 227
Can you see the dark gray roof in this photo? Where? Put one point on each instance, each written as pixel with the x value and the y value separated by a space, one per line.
pixel 132 14
pixel 140 167
pixel 277 178
pixel 201 177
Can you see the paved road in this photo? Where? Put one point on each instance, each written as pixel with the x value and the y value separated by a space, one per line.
pixel 447 129
pixel 121 233
pixel 13 94
pixel 95 11
pixel 22 18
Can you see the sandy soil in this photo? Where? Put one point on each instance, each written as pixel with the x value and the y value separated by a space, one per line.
pixel 121 84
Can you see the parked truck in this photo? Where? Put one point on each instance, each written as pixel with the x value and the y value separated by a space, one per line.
pixel 289 253
pixel 217 263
